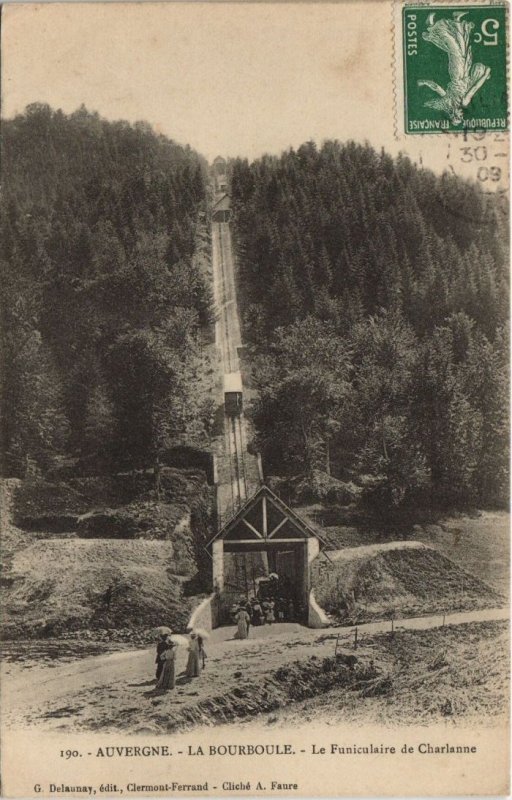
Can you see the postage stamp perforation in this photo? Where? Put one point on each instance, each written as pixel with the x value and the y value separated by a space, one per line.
pixel 394 6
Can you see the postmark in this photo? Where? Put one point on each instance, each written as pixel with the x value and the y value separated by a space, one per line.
pixel 455 68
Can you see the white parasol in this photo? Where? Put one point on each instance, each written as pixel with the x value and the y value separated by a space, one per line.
pixel 202 633
pixel 163 630
pixel 180 640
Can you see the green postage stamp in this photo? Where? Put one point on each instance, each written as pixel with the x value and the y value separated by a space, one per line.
pixel 455 68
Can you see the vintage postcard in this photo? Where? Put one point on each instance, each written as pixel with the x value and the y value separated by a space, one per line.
pixel 255 399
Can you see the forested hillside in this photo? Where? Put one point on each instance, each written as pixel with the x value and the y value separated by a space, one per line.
pixel 103 295
pixel 375 301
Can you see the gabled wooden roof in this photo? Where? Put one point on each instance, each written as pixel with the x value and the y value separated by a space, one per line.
pixel 265 517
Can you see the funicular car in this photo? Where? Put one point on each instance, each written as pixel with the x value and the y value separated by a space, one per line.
pixel 233 393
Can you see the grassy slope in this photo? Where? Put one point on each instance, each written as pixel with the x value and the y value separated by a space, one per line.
pixel 479 544
pixel 60 585
pixel 454 675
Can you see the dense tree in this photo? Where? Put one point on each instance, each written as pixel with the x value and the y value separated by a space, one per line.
pixel 407 272
pixel 103 297
pixel 302 387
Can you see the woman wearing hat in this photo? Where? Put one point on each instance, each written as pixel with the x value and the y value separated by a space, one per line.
pixel 168 660
pixel 242 621
pixel 257 612
pixel 194 656
pixel 161 646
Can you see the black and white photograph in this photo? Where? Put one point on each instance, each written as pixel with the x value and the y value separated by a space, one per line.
pixel 254 401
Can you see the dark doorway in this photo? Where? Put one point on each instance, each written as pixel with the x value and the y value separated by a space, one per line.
pixel 249 574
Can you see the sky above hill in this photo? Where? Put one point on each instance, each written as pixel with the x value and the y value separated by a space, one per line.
pixel 239 79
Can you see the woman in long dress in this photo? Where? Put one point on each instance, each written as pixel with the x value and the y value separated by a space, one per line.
pixel 243 619
pixel 167 675
pixel 257 613
pixel 194 661
pixel 202 651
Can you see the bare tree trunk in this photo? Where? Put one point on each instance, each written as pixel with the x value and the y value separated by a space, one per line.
pixel 307 449
pixel 384 442
pixel 327 457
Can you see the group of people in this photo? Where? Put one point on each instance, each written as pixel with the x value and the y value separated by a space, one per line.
pixel 165 660
pixel 254 611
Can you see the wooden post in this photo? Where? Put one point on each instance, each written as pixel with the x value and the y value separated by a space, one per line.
pixel 218 564
pixel 336 646
pixel 393 625
pixel 444 617
pixel 355 638
pixel 245 576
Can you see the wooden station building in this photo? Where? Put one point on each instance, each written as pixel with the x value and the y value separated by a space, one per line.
pixel 268 526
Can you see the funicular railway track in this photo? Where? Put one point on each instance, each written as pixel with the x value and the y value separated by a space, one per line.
pixel 257 538
pixel 235 445
pixel 237 453
pixel 230 357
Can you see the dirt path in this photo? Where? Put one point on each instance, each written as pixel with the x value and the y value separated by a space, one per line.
pixel 96 692
pixel 434 620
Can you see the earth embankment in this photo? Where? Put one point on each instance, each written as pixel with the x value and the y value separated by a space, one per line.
pixel 110 554
pixel 395 579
